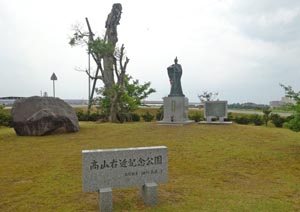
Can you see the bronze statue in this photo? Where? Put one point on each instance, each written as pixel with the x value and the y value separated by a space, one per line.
pixel 175 72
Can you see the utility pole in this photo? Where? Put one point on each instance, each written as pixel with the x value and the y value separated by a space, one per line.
pixel 53 78
pixel 89 78
pixel 91 94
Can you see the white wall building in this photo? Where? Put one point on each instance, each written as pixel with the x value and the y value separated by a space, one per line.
pixel 280 103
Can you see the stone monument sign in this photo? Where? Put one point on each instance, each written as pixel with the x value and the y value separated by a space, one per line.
pixel 144 167
pixel 176 104
pixel 215 109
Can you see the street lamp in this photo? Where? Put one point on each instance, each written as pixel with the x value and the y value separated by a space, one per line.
pixel 53 78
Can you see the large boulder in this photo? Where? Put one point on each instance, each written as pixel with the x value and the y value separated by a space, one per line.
pixel 42 116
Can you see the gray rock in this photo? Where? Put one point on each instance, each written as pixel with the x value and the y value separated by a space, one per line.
pixel 42 116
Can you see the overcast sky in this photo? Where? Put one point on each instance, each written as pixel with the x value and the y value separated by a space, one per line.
pixel 241 49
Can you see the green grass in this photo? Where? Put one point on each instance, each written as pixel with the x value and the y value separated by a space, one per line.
pixel 211 168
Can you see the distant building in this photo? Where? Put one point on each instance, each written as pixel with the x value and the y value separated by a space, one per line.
pixel 249 104
pixel 8 101
pixel 11 97
pixel 282 102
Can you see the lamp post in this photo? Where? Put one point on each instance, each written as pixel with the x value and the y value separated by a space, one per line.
pixel 89 78
pixel 53 78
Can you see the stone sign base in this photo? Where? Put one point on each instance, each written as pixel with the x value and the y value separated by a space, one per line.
pixel 216 122
pixel 105 200
pixel 149 194
pixel 175 111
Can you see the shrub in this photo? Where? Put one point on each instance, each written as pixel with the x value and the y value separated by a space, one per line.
pixel 5 120
pixel 267 114
pixel 256 120
pixel 135 117
pixel 147 116
pixel 196 117
pixel 5 117
pixel 277 120
pixel 294 124
pixel 81 115
pixel 288 118
pixel 122 117
pixel 229 117
pixel 242 120
pixel 160 113
pixel 94 116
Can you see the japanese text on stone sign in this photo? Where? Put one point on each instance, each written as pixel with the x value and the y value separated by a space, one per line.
pixel 124 163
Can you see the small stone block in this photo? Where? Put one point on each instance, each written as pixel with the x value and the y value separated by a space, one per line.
pixel 149 194
pixel 105 200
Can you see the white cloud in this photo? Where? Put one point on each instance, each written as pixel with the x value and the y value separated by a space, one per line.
pixel 268 20
pixel 241 49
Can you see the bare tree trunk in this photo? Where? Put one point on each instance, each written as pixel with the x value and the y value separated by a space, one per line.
pixel 111 36
pixel 108 63
pixel 114 108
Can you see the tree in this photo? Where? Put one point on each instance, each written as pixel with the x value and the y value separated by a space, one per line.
pixel 266 115
pixel 294 123
pixel 207 96
pixel 290 93
pixel 111 61
pixel 131 97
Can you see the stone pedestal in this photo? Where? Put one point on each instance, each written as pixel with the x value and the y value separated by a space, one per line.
pixel 149 194
pixel 105 200
pixel 176 110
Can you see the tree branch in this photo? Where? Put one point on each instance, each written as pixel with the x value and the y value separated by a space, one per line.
pixel 121 58
pixel 79 69
pixel 125 65
pixel 95 77
pixel 116 68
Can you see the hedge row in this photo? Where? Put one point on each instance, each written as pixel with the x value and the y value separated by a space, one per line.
pixel 258 120
pixel 148 115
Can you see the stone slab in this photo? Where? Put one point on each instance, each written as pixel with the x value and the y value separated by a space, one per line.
pixel 215 109
pixel 216 122
pixel 119 168
pixel 175 124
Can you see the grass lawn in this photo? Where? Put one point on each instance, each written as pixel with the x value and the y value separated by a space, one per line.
pixel 211 168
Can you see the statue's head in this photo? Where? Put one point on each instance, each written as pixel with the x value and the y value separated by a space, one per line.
pixel 176 60
pixel 117 6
